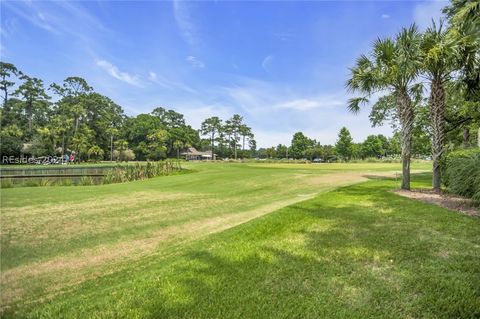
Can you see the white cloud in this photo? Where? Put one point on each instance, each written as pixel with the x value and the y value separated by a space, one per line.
pixel 266 63
pixel 195 62
pixel 32 14
pixel 116 73
pixel 152 76
pixel 304 104
pixel 85 32
pixel 8 27
pixel 59 17
pixel 253 97
pixel 424 12
pixel 183 17
pixel 260 98
pixel 385 16
pixel 169 84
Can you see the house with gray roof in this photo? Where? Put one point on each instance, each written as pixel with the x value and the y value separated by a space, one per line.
pixel 191 154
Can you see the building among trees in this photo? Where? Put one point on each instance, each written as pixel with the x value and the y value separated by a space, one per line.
pixel 191 154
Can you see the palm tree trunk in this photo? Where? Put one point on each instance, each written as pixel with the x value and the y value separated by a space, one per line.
pixel 437 116
pixel 405 110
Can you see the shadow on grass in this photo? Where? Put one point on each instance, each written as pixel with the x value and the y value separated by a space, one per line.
pixel 358 253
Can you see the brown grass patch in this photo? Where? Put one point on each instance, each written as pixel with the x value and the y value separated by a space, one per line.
pixel 97 216
pixel 345 178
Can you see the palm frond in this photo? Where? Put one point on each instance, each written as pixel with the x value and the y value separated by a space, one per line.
pixel 383 50
pixel 354 104
pixel 439 51
pixel 416 91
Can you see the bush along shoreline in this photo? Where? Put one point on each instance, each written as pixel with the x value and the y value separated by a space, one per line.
pixel 116 174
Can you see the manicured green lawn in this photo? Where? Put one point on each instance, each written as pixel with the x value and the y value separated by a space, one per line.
pixel 218 244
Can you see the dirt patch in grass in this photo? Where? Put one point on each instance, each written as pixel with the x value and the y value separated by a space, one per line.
pixel 452 202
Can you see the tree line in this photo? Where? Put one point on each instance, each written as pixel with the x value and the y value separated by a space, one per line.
pixel 70 117
pixel 444 62
pixel 345 149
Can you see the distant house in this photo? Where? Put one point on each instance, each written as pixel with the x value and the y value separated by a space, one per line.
pixel 193 155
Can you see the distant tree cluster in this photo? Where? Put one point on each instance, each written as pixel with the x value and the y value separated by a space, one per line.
pixel 303 147
pixel 229 139
pixel 70 117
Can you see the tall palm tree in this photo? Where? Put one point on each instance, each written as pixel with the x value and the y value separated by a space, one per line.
pixel 439 59
pixel 392 68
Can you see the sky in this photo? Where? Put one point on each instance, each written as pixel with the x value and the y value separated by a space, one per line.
pixel 282 65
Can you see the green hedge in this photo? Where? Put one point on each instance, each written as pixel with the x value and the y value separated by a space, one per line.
pixel 461 173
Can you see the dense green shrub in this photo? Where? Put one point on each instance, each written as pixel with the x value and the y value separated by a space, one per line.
pixel 123 155
pixel 10 146
pixel 461 173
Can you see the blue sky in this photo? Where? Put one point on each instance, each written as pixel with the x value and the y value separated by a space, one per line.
pixel 282 65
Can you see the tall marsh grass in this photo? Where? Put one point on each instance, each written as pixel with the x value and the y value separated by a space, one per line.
pixel 116 174
pixel 135 172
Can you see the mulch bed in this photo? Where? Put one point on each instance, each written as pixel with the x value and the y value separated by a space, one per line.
pixel 453 202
